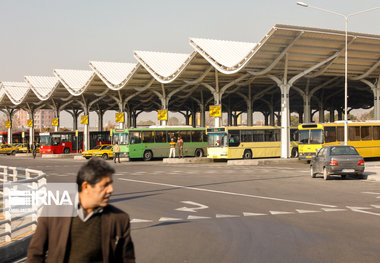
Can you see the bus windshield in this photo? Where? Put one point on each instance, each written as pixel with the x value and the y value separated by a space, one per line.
pixel 121 138
pixel 217 140
pixel 45 140
pixel 310 137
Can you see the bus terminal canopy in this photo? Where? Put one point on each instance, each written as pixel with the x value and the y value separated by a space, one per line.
pixel 292 69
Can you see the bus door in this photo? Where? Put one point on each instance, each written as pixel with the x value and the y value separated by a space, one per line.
pixel 136 149
pixel 161 143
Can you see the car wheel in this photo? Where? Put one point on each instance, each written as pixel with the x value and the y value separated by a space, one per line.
pixel 87 157
pixel 343 176
pixel 148 156
pixel 325 174
pixel 312 172
pixel 198 153
pixel 13 153
pixel 247 154
pixel 105 156
pixel 66 150
pixel 295 153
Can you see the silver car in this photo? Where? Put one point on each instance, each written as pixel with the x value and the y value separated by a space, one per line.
pixel 337 160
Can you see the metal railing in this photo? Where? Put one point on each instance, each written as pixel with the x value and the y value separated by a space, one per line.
pixel 9 176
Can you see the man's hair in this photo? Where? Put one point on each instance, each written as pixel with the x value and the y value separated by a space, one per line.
pixel 93 171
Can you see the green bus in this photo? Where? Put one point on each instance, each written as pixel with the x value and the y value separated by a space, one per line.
pixel 153 142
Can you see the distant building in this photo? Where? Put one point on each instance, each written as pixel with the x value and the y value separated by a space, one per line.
pixel 42 118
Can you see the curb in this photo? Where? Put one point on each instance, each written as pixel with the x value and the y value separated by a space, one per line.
pixel 187 160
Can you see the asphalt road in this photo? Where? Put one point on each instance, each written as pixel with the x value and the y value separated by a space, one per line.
pixel 219 213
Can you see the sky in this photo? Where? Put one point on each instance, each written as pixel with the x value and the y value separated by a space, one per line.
pixel 38 36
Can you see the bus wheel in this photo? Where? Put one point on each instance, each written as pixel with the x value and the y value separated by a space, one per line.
pixel 105 156
pixel 198 153
pixel 247 154
pixel 148 155
pixel 294 153
pixel 66 150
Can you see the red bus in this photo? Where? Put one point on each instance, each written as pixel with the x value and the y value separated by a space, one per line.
pixel 67 142
pixel 17 137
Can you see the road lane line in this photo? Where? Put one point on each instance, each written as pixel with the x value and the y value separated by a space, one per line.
pixel 227 193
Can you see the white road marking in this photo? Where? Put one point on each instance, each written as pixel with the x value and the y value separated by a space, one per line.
pixel 371 193
pixel 365 212
pixel 307 211
pixel 225 216
pixel 333 209
pixel 253 214
pixel 135 220
pixel 280 212
pixel 358 208
pixel 166 219
pixel 227 193
pixel 376 206
pixel 191 217
pixel 189 209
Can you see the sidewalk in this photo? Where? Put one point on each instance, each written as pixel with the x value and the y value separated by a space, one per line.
pixel 372 171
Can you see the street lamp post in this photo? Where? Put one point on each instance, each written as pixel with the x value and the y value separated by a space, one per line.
pixel 345 56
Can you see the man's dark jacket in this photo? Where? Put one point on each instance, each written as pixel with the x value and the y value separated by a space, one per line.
pixel 52 235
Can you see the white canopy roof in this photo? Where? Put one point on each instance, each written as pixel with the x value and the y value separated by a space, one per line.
pixel 15 91
pixel 75 81
pixel 114 74
pixel 227 57
pixel 164 67
pixel 43 87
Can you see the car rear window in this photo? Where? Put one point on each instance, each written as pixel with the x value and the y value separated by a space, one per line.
pixel 343 151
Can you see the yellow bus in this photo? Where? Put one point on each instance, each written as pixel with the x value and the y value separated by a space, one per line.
pixel 248 142
pixel 364 136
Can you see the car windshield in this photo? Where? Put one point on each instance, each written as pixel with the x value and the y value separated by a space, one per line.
pixel 97 147
pixel 343 150
pixel 109 147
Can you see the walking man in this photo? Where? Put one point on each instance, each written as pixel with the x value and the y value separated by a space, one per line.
pixel 180 147
pixel 172 148
pixel 99 233
pixel 34 150
pixel 116 152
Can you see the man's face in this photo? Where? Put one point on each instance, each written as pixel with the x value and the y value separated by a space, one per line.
pixel 100 193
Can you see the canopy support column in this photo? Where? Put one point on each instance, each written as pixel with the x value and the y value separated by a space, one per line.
pixel 100 119
pixel 10 112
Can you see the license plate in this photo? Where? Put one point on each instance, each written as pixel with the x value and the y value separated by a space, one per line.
pixel 348 170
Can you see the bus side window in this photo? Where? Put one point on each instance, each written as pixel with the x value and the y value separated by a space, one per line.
pixel 160 136
pixel 269 136
pixel 366 133
pixel 354 133
pixel 196 136
pixel 135 137
pixel 246 136
pixel 185 135
pixel 294 135
pixel 258 135
pixel 376 132
pixel 330 134
pixel 234 138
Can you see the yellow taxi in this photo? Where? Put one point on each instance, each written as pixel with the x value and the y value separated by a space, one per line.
pixel 8 149
pixel 88 154
pixel 23 148
pixel 105 152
